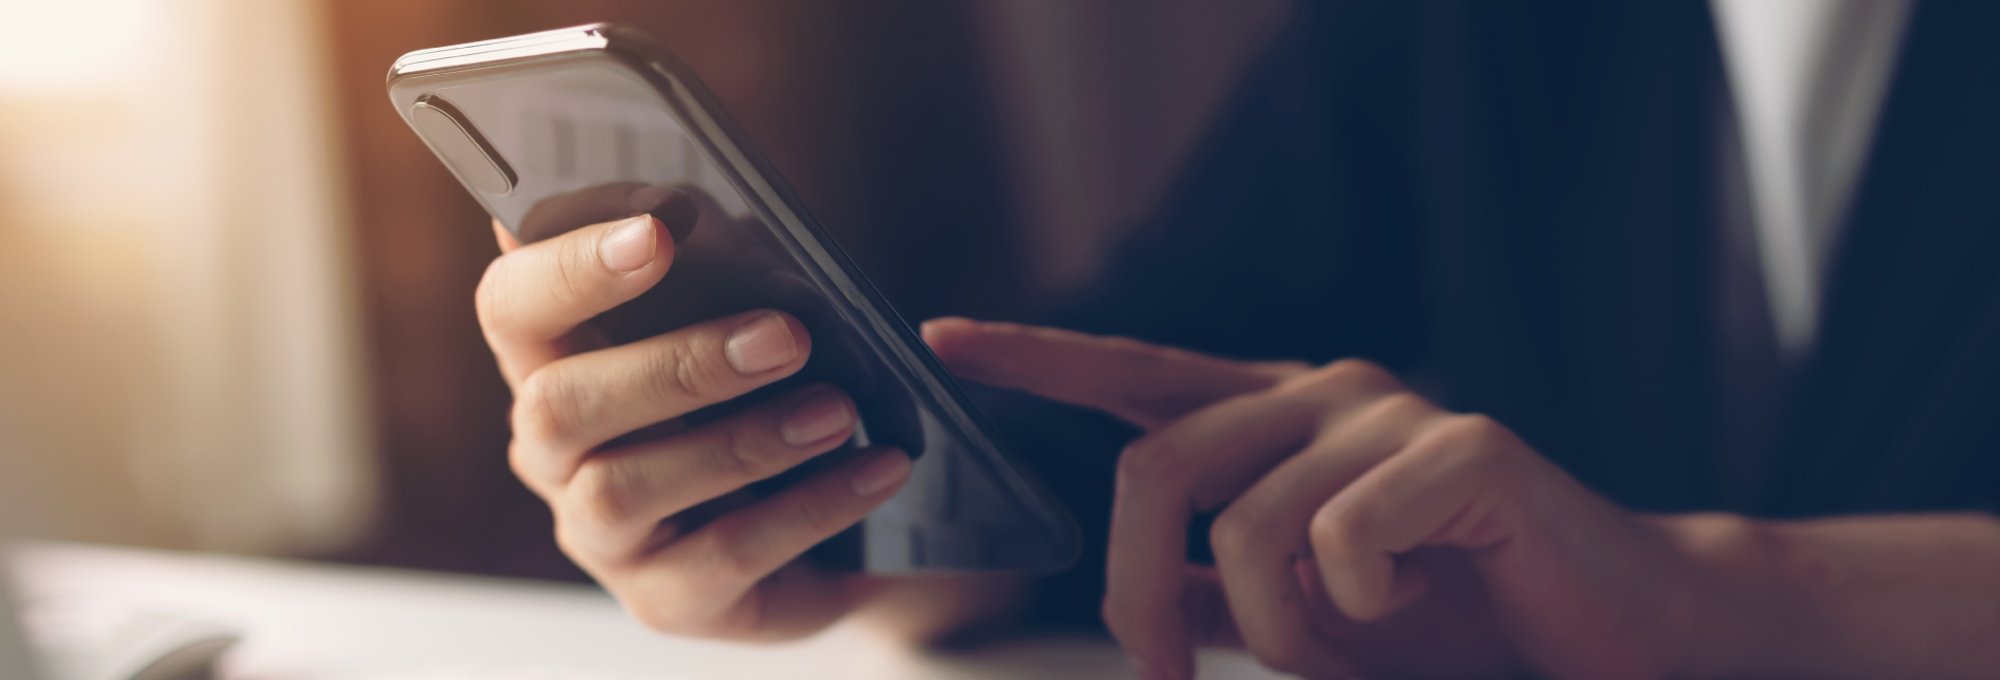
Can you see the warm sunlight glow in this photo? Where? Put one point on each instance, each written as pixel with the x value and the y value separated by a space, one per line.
pixel 68 45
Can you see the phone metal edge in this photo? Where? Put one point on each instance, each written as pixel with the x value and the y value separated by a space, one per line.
pixel 557 41
pixel 861 295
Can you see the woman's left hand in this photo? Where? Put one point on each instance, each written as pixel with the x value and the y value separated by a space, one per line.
pixel 1362 529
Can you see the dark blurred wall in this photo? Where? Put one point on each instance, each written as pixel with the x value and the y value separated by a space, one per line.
pixel 875 111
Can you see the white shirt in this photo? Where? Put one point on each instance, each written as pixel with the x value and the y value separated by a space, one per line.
pixel 1808 78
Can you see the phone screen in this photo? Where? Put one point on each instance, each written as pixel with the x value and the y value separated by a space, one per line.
pixel 590 136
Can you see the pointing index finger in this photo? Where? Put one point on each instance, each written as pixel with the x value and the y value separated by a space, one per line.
pixel 1144 384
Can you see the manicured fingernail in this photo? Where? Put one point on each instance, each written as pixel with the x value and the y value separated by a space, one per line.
pixel 630 246
pixel 760 345
pixel 887 470
pixel 820 416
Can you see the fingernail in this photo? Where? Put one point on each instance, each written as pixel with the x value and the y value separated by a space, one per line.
pixel 819 416
pixel 760 345
pixel 671 206
pixel 630 246
pixel 885 471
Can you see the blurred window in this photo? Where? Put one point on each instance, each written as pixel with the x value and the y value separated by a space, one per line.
pixel 178 363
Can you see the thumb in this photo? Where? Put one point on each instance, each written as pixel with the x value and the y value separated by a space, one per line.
pixel 1144 384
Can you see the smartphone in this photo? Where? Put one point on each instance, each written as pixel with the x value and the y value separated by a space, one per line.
pixel 556 130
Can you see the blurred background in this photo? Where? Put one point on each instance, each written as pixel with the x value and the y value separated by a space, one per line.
pixel 237 290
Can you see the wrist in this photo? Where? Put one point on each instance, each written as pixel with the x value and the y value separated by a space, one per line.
pixel 1729 611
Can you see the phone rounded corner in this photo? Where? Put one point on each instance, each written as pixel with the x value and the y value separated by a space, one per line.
pixel 395 72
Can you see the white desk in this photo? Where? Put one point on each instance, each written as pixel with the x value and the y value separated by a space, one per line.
pixel 304 620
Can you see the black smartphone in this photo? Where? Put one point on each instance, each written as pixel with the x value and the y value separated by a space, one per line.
pixel 556 130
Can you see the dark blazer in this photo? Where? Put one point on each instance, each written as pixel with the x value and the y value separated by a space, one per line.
pixel 1522 207
pixel 1519 205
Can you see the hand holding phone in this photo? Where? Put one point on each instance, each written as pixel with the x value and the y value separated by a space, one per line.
pixel 706 387
pixel 703 568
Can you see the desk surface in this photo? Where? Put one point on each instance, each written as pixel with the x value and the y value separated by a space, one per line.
pixel 305 620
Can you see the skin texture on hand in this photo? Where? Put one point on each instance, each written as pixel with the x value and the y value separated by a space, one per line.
pixel 657 509
pixel 1867 596
pixel 1362 529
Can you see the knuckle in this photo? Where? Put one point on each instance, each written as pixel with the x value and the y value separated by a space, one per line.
pixel 1149 461
pixel 518 462
pixel 681 371
pixel 1332 531
pixel 606 491
pixel 1357 374
pixel 814 517
pixel 1479 426
pixel 545 407
pixel 1389 411
pixel 1472 435
pixel 588 547
pixel 1237 530
pixel 1403 404
pixel 726 449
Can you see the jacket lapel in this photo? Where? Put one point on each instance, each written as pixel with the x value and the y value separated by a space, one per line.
pixel 1918 249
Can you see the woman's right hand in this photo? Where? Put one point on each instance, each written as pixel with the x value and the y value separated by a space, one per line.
pixel 656 518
